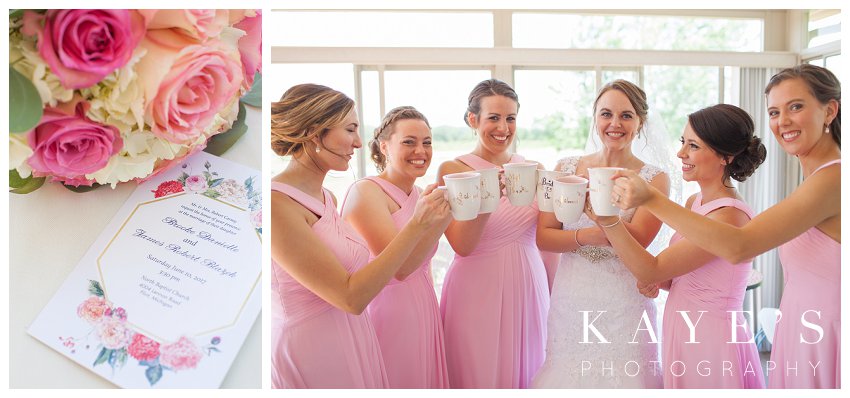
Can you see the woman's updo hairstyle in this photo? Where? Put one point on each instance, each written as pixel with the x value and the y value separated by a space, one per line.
pixel 488 88
pixel 387 128
pixel 728 130
pixel 304 112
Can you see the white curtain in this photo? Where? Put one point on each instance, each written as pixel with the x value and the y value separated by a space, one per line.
pixel 774 180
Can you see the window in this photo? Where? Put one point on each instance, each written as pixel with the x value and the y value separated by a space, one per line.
pixel 382 29
pixel 636 32
pixel 824 26
pixel 555 113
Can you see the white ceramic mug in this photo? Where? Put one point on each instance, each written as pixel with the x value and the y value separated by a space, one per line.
pixel 464 195
pixel 545 181
pixel 520 181
pixel 601 186
pixel 568 194
pixel 490 192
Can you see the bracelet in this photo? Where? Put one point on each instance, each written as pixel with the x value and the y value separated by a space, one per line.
pixel 575 236
pixel 609 226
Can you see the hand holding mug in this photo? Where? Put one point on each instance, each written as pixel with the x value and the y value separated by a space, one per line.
pixel 432 208
pixel 630 190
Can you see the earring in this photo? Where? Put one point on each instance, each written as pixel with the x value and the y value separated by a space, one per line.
pixel 318 149
pixel 826 130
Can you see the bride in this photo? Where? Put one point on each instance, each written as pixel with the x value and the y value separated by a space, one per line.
pixel 602 328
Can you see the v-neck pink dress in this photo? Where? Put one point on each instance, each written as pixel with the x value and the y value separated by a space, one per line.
pixel 314 344
pixel 406 315
pixel 811 264
pixel 495 301
pixel 714 289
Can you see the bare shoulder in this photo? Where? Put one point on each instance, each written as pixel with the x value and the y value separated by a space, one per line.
pixel 661 181
pixel 287 210
pixel 729 215
pixel 452 166
pixel 690 201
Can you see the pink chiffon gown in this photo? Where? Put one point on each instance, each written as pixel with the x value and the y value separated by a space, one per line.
pixel 811 264
pixel 316 345
pixel 716 288
pixel 495 301
pixel 406 315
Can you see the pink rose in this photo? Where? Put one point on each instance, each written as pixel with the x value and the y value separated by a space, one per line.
pixel 186 86
pixel 196 183
pixel 113 333
pixel 93 309
pixel 251 47
pixel 182 354
pixel 83 46
pixel 199 25
pixel 143 348
pixel 67 145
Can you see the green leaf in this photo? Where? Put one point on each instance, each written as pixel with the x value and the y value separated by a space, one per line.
pixel 82 188
pixel 220 143
pixel 102 357
pixel 118 358
pixel 94 288
pixel 23 185
pixel 15 14
pixel 216 182
pixel 24 103
pixel 255 96
pixel 153 374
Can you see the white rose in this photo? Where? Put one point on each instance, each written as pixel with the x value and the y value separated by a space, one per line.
pixel 19 152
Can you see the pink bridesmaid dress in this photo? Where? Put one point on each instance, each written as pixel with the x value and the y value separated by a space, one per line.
pixel 406 315
pixel 316 345
pixel 495 301
pixel 811 263
pixel 716 288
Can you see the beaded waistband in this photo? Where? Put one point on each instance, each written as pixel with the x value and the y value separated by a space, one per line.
pixel 595 254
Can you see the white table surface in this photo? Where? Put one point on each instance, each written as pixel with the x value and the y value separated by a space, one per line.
pixel 49 232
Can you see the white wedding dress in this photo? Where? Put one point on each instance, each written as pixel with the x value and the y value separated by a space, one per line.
pixel 593 279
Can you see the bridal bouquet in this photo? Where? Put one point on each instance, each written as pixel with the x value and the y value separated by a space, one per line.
pixel 102 97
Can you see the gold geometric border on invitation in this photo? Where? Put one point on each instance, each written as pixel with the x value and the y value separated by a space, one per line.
pixel 139 328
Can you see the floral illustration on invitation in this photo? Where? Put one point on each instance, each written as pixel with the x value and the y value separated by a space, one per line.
pixel 117 340
pixel 211 185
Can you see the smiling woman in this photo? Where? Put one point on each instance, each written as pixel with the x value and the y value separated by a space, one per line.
pixel 323 278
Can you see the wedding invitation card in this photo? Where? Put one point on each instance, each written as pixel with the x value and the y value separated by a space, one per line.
pixel 167 293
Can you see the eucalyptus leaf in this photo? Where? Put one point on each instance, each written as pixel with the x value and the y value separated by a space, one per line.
pixel 220 143
pixel 24 103
pixel 255 95
pixel 82 188
pixel 102 357
pixel 94 288
pixel 23 185
pixel 153 374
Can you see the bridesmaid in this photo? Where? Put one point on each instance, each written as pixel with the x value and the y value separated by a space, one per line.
pixel 322 278
pixel 717 145
pixel 804 105
pixel 405 314
pixel 495 295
